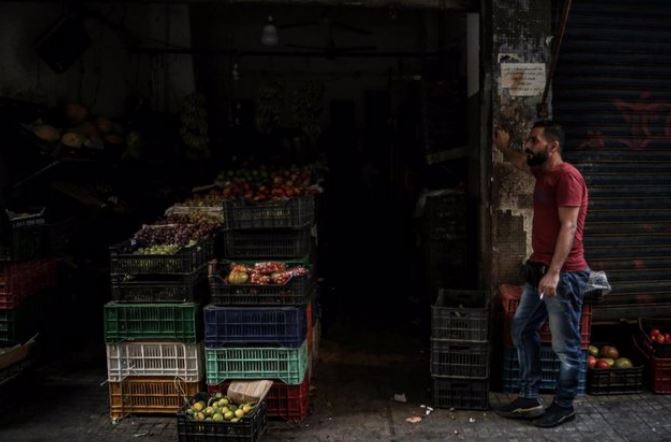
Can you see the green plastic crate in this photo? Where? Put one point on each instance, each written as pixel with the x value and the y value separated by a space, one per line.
pixel 285 364
pixel 174 322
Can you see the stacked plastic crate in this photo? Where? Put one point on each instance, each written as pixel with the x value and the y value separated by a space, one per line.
pixel 264 331
pixel 152 327
pixel 510 298
pixel 24 274
pixel 460 350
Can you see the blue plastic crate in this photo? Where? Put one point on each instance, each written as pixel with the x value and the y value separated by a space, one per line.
pixel 549 371
pixel 233 326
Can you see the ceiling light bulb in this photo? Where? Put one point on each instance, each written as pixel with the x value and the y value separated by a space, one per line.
pixel 269 35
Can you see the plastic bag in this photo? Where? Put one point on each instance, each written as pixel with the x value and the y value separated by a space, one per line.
pixel 597 287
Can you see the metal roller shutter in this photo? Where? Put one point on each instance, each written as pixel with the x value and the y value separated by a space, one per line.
pixel 612 94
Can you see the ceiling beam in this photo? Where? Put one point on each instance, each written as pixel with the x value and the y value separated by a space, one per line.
pixel 455 5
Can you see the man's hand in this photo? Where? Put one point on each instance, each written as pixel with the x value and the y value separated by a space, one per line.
pixel 501 139
pixel 548 284
pixel 516 157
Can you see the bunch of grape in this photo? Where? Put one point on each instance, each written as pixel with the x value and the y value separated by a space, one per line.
pixel 175 234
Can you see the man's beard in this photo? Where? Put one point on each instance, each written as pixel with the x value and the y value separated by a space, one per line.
pixel 536 159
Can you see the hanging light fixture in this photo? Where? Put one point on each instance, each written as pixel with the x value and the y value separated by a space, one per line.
pixel 269 35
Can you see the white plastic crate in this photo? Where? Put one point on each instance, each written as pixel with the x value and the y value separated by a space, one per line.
pixel 174 359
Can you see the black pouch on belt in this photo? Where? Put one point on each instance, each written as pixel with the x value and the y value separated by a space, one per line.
pixel 532 272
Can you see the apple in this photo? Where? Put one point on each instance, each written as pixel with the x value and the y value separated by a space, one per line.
pixel 601 363
pixel 591 361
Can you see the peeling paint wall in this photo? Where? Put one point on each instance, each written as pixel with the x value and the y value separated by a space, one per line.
pixel 520 29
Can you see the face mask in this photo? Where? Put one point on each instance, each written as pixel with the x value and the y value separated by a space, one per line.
pixel 536 159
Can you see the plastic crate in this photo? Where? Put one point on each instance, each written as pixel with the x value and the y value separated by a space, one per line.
pixel 461 315
pixel 149 395
pixel 288 402
pixel 173 322
pixel 159 288
pixel 226 326
pixel 658 373
pixel 281 214
pixel 609 381
pixel 510 299
pixel 249 429
pixel 295 292
pixel 26 240
pixel 549 371
pixel 265 244
pixel 285 364
pixel 185 262
pixel 462 394
pixel 459 359
pixel 650 347
pixel 172 359
pixel 19 281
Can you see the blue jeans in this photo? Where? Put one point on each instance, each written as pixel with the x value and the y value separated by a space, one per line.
pixel 564 311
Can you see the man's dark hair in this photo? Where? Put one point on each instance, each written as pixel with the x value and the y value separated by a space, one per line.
pixel 552 131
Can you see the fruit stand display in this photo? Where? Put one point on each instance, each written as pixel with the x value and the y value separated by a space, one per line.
pixel 153 324
pixel 460 350
pixel 260 324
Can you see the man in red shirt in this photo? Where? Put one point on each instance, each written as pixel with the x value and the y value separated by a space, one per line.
pixel 560 207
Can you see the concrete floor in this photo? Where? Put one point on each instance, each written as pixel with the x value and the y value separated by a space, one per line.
pixel 352 401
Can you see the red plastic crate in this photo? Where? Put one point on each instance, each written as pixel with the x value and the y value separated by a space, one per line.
pixel 289 402
pixel 659 369
pixel 19 281
pixel 510 299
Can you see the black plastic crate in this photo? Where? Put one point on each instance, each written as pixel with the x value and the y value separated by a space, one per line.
pixel 186 261
pixel 267 244
pixel 248 429
pixel 461 315
pixel 159 288
pixel 295 292
pixel 281 214
pixel 550 366
pixel 459 359
pixel 608 381
pixel 235 326
pixel 462 394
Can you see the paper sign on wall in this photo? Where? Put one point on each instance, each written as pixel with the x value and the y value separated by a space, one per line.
pixel 523 79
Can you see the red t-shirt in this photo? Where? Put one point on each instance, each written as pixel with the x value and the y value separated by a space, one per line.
pixel 563 186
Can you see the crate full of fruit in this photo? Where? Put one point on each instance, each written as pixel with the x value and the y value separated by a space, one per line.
pixel 218 418
pixel 610 372
pixel 164 249
pixel 260 283
pixel 654 337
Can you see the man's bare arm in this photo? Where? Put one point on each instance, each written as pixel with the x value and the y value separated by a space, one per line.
pixel 515 157
pixel 568 221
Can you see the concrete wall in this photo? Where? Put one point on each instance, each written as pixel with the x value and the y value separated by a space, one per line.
pixel 107 74
pixel 520 29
